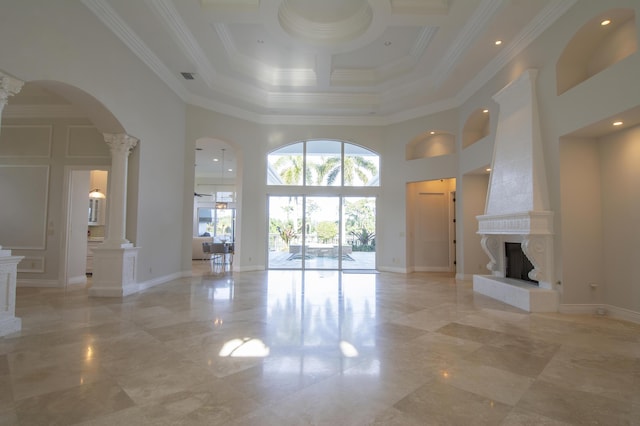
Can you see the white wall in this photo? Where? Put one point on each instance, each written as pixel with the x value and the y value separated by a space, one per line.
pixel 620 167
pixel 472 196
pixel 64 42
pixel 70 142
pixel 581 215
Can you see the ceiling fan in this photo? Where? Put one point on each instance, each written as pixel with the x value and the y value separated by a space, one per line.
pixel 195 194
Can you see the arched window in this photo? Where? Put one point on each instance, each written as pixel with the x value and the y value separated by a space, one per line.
pixel 323 163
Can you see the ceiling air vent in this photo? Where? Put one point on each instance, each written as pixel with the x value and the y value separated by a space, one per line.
pixel 188 75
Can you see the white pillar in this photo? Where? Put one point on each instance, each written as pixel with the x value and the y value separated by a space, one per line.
pixel 115 260
pixel 120 145
pixel 9 323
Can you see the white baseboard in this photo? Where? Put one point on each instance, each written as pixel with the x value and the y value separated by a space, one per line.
pixel 153 282
pixel 432 269
pixel 79 280
pixel 137 287
pixel 249 268
pixel 584 309
pixel 610 311
pixel 464 277
pixel 623 314
pixel 37 283
pixel 395 270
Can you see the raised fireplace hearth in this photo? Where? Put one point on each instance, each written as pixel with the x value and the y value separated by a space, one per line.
pixel 517 216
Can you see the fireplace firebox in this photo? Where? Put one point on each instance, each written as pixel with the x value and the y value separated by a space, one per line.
pixel 517 264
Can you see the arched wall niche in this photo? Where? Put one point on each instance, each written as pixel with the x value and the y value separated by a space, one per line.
pixel 476 127
pixel 431 144
pixel 595 47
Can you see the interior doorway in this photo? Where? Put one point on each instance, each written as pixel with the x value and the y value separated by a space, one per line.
pixel 431 222
pixel 86 220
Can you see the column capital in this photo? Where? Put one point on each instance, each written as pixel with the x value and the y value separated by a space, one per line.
pixel 120 143
pixel 9 86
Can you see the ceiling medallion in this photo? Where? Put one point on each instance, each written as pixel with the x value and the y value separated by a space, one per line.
pixel 327 21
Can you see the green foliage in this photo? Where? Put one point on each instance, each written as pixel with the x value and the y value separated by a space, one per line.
pixel 357 170
pixel 364 238
pixel 327 231
pixel 290 169
pixel 287 233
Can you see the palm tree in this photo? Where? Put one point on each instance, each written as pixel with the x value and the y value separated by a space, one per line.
pixel 356 168
pixel 290 169
pixel 324 168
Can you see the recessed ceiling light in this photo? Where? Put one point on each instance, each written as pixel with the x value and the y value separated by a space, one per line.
pixel 229 170
pixel 617 123
pixel 488 169
pixel 485 111
pixel 387 43
pixel 215 159
pixel 432 133
pixel 498 42
pixel 605 22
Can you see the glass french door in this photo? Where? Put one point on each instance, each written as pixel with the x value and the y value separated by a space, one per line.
pixel 321 232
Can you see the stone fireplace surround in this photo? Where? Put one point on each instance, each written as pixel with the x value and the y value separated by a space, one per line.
pixel 534 232
pixel 517 208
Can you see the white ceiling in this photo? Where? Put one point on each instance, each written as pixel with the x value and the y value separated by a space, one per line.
pixel 361 62
pixel 326 61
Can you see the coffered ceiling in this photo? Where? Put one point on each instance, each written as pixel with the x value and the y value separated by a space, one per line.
pixel 333 61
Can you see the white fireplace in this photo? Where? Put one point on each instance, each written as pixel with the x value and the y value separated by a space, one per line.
pixel 517 209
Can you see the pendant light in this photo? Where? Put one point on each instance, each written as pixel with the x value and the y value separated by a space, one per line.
pixel 221 204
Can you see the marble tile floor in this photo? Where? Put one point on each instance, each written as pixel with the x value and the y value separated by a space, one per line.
pixel 320 348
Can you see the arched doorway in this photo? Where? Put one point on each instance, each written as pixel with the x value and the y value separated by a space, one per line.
pixel 52 134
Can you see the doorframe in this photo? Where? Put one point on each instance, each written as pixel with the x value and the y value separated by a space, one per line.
pixel 66 214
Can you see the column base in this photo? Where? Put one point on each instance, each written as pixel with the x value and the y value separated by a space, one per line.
pixel 10 325
pixel 114 271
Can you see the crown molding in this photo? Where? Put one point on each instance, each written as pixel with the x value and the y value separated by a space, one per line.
pixel 112 20
pixel 186 41
pixel 325 32
pixel 366 102
pixel 469 33
pixel 423 40
pixel 529 33
pixel 291 77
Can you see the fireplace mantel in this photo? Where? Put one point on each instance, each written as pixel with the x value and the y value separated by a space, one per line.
pixel 530 222
pixel 517 208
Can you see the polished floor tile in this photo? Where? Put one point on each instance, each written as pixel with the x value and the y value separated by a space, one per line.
pixel 314 348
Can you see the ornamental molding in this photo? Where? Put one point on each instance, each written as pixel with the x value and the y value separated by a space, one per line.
pixel 9 86
pixel 523 223
pixel 120 143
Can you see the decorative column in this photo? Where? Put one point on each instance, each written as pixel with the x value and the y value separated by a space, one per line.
pixel 115 260
pixel 121 146
pixel 9 86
